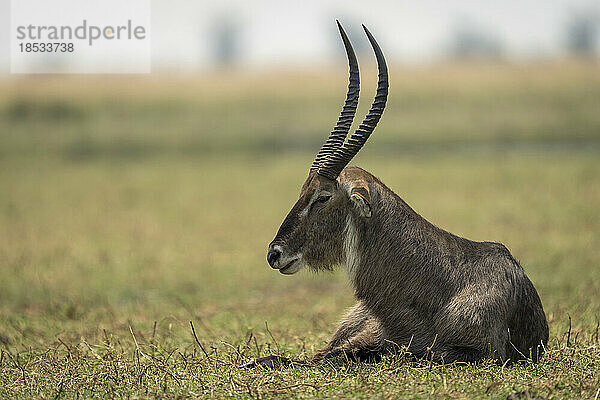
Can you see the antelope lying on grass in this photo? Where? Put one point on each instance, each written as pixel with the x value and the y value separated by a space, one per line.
pixel 417 286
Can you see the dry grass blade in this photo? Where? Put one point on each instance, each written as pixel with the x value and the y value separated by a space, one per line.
pixel 198 341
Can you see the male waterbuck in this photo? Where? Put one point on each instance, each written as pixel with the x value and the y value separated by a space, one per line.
pixel 417 286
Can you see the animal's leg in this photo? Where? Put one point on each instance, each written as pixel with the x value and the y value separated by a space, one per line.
pixel 470 328
pixel 271 361
pixel 360 335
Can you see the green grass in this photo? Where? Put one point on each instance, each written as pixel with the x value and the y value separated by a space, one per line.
pixel 119 226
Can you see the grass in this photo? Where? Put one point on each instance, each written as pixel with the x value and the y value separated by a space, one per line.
pixel 129 209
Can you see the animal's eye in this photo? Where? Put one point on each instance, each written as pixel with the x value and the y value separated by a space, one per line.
pixel 323 198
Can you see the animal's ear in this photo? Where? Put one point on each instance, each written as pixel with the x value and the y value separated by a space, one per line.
pixel 361 199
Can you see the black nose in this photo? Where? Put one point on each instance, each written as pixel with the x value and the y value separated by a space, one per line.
pixel 272 256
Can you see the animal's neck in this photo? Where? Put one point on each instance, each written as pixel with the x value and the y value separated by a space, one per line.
pixel 352 255
pixel 394 252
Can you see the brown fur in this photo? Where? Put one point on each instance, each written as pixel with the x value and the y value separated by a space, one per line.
pixel 439 295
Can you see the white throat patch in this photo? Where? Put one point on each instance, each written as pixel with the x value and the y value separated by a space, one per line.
pixel 351 249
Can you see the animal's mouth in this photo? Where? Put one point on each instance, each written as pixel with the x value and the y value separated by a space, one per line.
pixel 291 267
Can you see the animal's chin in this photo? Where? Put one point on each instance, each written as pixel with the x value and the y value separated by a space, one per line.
pixel 292 267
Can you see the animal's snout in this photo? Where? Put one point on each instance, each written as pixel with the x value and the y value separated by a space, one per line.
pixel 279 258
pixel 273 255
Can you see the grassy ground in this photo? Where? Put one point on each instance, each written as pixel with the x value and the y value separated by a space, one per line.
pixel 129 208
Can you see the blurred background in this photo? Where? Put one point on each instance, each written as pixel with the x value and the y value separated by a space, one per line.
pixel 200 36
pixel 126 200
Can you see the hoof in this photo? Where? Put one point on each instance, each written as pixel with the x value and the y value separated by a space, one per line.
pixel 268 362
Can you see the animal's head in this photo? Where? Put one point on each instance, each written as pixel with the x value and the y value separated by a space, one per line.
pixel 313 231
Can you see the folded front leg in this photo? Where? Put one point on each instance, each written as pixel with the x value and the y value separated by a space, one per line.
pixel 360 336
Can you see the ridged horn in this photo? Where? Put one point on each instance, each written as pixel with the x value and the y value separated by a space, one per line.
pixel 337 161
pixel 338 134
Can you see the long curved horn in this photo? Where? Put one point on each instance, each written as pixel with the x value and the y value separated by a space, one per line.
pixel 337 161
pixel 338 134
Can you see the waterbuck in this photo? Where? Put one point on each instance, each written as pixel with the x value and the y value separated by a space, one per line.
pixel 418 287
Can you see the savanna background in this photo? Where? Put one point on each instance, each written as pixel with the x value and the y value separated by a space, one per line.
pixel 132 205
